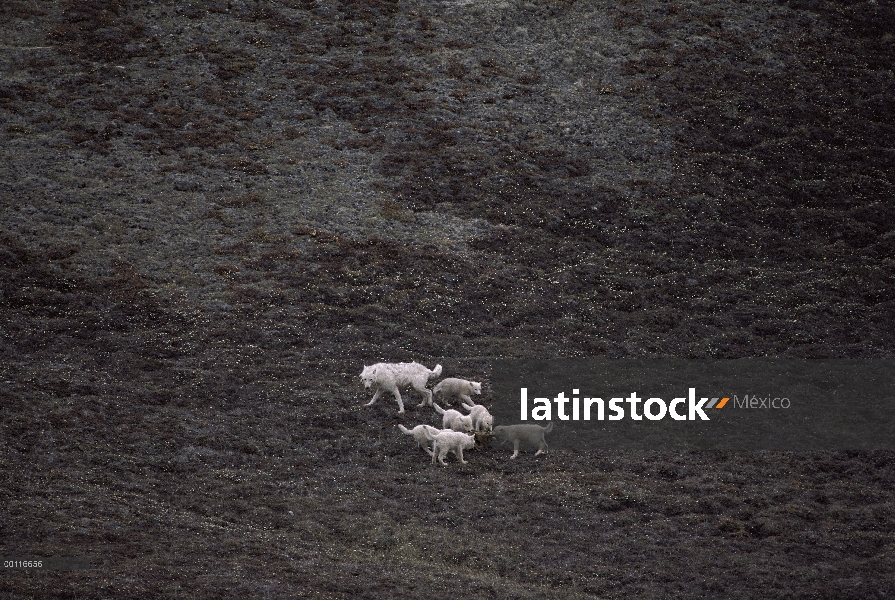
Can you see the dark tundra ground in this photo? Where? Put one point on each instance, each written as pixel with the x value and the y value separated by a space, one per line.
pixel 214 213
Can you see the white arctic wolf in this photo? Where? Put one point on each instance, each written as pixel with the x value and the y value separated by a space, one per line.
pixel 389 377
pixel 533 434
pixel 481 418
pixel 419 435
pixel 453 387
pixel 450 441
pixel 454 419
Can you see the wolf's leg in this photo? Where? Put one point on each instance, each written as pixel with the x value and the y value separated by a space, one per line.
pixel 375 397
pixel 442 452
pixel 397 394
pixel 542 448
pixel 460 455
pixel 515 448
pixel 421 388
pixel 466 399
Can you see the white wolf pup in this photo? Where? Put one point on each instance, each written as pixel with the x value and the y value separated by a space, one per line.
pixel 450 441
pixel 389 377
pixel 453 387
pixel 454 419
pixel 532 434
pixel 481 418
pixel 419 435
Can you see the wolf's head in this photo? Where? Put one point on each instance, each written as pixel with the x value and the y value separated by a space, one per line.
pixel 468 442
pixel 488 422
pixel 367 375
pixel 476 387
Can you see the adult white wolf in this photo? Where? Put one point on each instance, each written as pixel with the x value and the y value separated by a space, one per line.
pixel 388 377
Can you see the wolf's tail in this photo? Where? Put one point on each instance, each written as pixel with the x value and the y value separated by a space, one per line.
pixel 436 372
pixel 466 406
pixel 404 429
pixel 438 409
pixel 549 427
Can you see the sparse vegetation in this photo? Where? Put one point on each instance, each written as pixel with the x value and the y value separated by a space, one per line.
pixel 215 213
